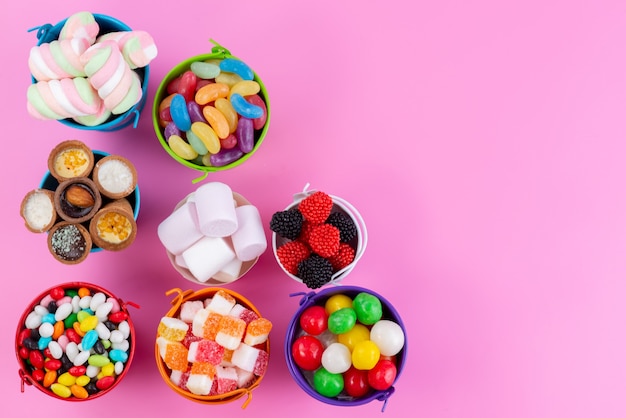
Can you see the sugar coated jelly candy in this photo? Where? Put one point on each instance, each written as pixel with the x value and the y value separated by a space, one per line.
pixel 232 65
pixel 368 308
pixel 245 108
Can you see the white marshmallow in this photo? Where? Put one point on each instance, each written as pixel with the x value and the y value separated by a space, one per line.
pixel 180 230
pixel 216 210
pixel 207 256
pixel 230 272
pixel 249 239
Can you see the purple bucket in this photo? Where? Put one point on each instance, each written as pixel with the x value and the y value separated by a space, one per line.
pixel 303 378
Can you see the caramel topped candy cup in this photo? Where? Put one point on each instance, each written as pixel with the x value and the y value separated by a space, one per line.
pixel 77 200
pixel 113 227
pixel 70 159
pixel 115 176
pixel 37 210
pixel 69 243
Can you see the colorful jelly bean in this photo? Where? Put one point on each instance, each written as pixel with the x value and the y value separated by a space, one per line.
pixel 211 92
pixel 225 157
pixel 238 67
pixel 65 342
pixel 181 148
pixel 245 108
pixel 207 135
pixel 216 120
pixel 179 113
pixel 244 88
pixel 205 70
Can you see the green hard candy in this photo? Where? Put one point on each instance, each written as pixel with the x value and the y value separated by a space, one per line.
pixel 342 320
pixel 326 383
pixel 368 308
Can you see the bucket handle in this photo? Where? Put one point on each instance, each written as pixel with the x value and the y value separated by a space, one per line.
pixel 42 30
pixel 24 380
pixel 126 304
pixel 248 399
pixel 136 121
pixel 384 397
pixel 180 297
pixel 306 296
pixel 199 179
pixel 219 49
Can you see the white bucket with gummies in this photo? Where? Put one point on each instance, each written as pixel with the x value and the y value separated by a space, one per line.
pixel 358 243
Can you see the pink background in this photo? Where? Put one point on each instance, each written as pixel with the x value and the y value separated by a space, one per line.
pixel 482 142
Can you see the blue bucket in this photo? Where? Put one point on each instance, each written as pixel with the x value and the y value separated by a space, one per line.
pixel 48 182
pixel 48 33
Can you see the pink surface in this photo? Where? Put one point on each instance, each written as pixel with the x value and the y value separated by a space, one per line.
pixel 482 142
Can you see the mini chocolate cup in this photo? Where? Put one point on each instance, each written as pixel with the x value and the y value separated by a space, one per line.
pixel 69 243
pixel 102 177
pixel 80 160
pixel 25 210
pixel 72 213
pixel 118 211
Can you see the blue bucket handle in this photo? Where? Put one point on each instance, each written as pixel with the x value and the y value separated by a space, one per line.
pixel 42 30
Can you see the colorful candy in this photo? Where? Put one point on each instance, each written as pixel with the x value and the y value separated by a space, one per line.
pixel 64 343
pixel 221 116
pixel 345 347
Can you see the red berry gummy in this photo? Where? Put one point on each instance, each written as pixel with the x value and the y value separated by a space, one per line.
pixel 316 207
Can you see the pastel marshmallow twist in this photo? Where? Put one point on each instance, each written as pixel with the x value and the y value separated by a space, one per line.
pixel 107 71
pixel 80 25
pixel 60 99
pixel 57 59
pixel 137 46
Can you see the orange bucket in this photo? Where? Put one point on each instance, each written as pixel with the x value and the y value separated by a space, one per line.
pixel 189 295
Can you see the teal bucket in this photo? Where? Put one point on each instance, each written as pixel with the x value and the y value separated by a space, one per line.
pixel 48 33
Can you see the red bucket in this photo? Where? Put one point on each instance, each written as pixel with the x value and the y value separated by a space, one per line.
pixel 75 342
